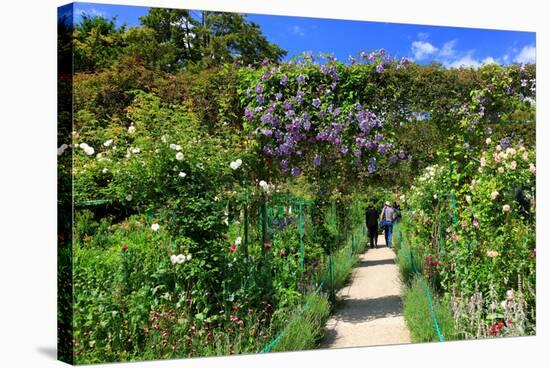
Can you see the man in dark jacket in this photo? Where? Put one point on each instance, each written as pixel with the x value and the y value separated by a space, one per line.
pixel 371 218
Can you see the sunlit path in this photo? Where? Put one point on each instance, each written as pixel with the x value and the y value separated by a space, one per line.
pixel 369 311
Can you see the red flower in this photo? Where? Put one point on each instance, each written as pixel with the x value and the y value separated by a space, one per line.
pixel 124 248
pixel 233 248
pixel 508 322
pixel 267 245
pixel 454 237
pixel 500 325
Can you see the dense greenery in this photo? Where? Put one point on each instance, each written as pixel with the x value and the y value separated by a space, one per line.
pixel 213 183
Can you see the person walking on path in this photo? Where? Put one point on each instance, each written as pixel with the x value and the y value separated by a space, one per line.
pixel 371 219
pixel 386 223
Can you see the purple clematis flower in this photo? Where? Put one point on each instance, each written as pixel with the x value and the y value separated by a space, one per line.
pixel 295 171
pixel 317 160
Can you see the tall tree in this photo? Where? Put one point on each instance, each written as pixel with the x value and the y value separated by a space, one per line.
pixel 211 38
pixel 97 43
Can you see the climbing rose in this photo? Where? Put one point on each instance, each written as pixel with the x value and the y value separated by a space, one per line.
pixel 513 165
pixel 124 248
pixel 510 295
pixel 238 241
pixel 155 227
pixel 500 170
pixel 236 164
pixel 264 185
pixel 233 248
pixel 492 253
pixel 181 259
pixel 494 195
pixel 532 168
pixel 267 245
pixel 475 223
pixel 182 174
pixel 131 129
pixel 506 208
pixel 488 141
pixel 179 156
pixel 454 237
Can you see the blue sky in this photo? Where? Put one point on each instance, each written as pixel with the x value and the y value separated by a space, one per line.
pixel 449 45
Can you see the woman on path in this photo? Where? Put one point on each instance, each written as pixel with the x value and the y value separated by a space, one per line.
pixel 371 218
pixel 387 218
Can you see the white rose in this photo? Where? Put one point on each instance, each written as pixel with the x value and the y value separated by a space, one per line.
pixel 173 259
pixel 189 257
pixel 89 150
pixel 108 142
pixel 488 141
pixel 500 170
pixel 179 156
pixel 238 241
pixel 182 174
pixel 494 195
pixel 264 185
pixel 155 227
pixel 131 129
pixel 61 149
pixel 532 168
pixel 506 208
pixel 181 259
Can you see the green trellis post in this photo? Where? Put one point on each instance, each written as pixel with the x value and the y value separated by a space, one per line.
pixel 245 221
pixel 301 234
pixel 331 275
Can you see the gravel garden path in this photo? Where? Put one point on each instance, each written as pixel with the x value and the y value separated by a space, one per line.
pixel 369 308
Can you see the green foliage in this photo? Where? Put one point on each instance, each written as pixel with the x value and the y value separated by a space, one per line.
pixel 418 314
pixel 305 330
pixel 158 120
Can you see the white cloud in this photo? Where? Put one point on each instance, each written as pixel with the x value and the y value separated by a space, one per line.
pixel 448 49
pixel 527 55
pixel 297 30
pixel 465 61
pixel 489 60
pixel 423 35
pixel 422 49
pixel 91 12
pixel 468 61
